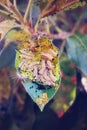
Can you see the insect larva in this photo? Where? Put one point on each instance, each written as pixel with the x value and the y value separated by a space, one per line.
pixel 46 76
pixel 26 53
pixel 32 65
pixel 46 56
pixel 22 63
pixel 52 76
pixel 49 65
pixel 52 52
pixel 43 66
pixel 25 57
pixel 35 72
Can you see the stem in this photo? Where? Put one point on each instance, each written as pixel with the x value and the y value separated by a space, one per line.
pixel 5 7
pixel 30 20
pixel 27 10
pixel 15 4
pixel 4 12
pixel 17 13
pixel 8 2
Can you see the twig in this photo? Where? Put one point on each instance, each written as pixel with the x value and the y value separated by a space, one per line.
pixel 55 25
pixel 15 4
pixel 17 14
pixel 5 7
pixel 13 10
pixel 77 24
pixel 62 35
pixel 8 2
pixel 16 9
pixel 4 12
pixel 50 8
pixel 27 10
pixel 62 47
pixel 30 19
pixel 72 32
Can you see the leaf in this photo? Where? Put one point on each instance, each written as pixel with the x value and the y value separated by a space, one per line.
pixel 42 4
pixel 58 5
pixel 77 51
pixel 7 58
pixel 39 94
pixel 66 94
pixel 5 26
pixel 39 65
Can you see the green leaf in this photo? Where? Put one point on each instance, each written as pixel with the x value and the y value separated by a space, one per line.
pixel 77 51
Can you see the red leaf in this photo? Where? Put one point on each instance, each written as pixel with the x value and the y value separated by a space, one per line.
pixel 58 5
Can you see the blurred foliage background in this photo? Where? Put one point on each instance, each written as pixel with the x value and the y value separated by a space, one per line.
pixel 68 109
